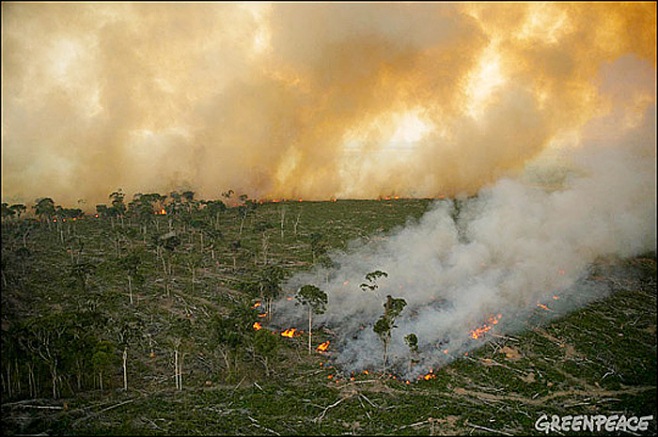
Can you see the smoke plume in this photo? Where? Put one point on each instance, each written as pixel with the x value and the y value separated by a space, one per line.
pixel 538 118
pixel 303 100
pixel 516 255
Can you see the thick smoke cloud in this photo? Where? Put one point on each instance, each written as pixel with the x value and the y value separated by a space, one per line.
pixel 514 256
pixel 545 111
pixel 300 100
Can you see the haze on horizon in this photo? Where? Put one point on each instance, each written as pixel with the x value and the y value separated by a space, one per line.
pixel 308 100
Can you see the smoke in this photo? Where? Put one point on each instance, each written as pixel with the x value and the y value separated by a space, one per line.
pixel 518 254
pixel 538 117
pixel 302 100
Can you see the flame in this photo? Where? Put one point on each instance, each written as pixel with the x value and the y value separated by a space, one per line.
pixel 262 315
pixel 161 212
pixel 429 375
pixel 556 297
pixel 479 332
pixel 256 305
pixel 323 347
pixel 257 326
pixel 544 307
pixel 290 332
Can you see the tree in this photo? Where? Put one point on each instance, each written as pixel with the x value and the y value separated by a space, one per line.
pixel 214 208
pixel 13 210
pixel 166 244
pixel 372 279
pixel 269 284
pixel 125 332
pixel 118 205
pixel 45 209
pixel 384 326
pixel 179 331
pixel 266 346
pixel 145 207
pixel 412 343
pixel 81 272
pixel 231 333
pixel 19 209
pixel 6 211
pixel 102 360
pixel 130 264
pixel 190 203
pixel 316 301
pixel 227 194
pixel 319 245
pixel 236 248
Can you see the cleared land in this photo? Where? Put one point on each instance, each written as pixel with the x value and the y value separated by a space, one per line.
pixel 72 304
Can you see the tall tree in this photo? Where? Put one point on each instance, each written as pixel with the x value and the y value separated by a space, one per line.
pixel 315 300
pixel 130 264
pixel 319 245
pixel 45 209
pixel 384 326
pixel 412 343
pixel 269 284
pixel 118 205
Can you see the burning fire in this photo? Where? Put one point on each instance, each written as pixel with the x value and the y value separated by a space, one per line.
pixel 257 326
pixel 479 332
pixel 161 212
pixel 323 347
pixel 429 375
pixel 256 305
pixel 290 332
pixel 544 307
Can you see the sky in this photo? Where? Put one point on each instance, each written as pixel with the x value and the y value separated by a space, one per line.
pixel 310 100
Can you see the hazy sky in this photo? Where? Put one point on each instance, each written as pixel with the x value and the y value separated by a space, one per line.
pixel 306 100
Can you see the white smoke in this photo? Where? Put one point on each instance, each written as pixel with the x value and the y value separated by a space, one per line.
pixel 515 246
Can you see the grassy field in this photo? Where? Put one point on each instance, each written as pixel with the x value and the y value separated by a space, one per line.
pixel 80 296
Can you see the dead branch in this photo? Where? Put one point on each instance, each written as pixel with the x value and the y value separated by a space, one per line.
pixel 364 409
pixel 484 428
pixel 367 400
pixel 103 410
pixel 321 416
pixel 43 407
pixel 413 424
pixel 255 423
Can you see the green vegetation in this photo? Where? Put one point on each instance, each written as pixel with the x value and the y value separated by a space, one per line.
pixel 140 320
